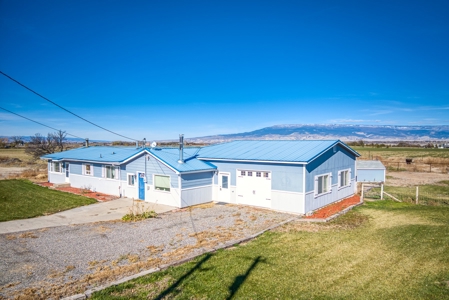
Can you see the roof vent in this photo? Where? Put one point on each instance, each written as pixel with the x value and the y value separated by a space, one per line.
pixel 113 152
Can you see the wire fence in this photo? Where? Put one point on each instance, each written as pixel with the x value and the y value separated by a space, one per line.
pixel 423 195
pixel 442 168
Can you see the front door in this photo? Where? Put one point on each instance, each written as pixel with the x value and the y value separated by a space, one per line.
pixel 67 172
pixel 142 186
pixel 224 187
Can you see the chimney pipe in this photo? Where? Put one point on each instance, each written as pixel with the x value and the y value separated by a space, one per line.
pixel 87 142
pixel 181 149
pixel 144 142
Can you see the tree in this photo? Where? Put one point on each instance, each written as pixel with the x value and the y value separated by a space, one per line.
pixel 40 145
pixel 16 140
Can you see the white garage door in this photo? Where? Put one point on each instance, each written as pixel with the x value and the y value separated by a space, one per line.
pixel 254 188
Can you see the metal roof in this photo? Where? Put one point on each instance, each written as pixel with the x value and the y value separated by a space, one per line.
pixel 369 164
pixel 303 151
pixel 118 155
pixel 96 154
pixel 171 156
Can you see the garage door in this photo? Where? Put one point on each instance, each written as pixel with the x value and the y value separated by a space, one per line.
pixel 254 188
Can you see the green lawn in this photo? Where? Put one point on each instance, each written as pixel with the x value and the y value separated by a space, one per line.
pixel 381 250
pixel 21 199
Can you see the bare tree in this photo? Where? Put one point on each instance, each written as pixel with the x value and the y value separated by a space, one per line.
pixel 16 140
pixel 40 145
pixel 59 138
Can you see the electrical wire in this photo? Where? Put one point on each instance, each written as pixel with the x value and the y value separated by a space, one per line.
pixel 39 123
pixel 19 83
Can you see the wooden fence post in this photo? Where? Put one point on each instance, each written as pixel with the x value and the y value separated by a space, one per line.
pixel 362 190
pixel 382 191
pixel 417 193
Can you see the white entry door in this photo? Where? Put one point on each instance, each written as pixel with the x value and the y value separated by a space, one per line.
pixel 224 187
pixel 254 187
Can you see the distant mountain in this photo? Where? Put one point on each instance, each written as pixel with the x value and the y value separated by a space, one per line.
pixel 342 132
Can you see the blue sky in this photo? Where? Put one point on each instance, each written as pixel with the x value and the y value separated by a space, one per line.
pixel 155 69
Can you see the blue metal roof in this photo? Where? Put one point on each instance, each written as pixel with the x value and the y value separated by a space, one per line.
pixel 277 151
pixel 171 156
pixel 96 154
pixel 118 155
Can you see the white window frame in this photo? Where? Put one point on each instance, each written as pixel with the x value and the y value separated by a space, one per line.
pixel 348 178
pixel 135 179
pixel 91 170
pixel 105 172
pixel 169 183
pixel 329 184
pixel 52 166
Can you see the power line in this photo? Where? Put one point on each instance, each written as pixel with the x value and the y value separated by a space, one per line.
pixel 6 75
pixel 39 123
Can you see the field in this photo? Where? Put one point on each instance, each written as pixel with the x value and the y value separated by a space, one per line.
pixel 381 250
pixel 394 158
pixel 16 153
pixel 15 163
pixel 21 199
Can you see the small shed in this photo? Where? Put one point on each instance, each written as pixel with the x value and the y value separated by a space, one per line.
pixel 370 171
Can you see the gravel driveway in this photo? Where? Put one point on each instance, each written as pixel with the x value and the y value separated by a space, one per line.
pixel 66 260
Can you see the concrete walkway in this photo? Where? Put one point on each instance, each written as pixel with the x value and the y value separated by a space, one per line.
pixel 102 211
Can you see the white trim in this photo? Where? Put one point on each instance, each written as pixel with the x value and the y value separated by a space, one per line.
pixel 349 178
pixel 252 161
pixel 315 184
pixel 61 169
pixel 169 182
pixel 91 169
pixel 197 187
pixel 104 173
pixel 356 154
pixel 135 180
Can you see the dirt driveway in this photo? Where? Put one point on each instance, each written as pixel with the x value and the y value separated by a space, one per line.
pixel 66 260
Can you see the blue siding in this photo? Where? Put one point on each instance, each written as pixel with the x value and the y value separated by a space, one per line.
pixel 153 166
pixel 330 162
pixel 284 177
pixel 370 175
pixel 98 172
pixel 76 168
pixel 196 179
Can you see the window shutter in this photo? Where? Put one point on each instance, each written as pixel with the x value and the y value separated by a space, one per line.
pixel 103 171
pixel 316 186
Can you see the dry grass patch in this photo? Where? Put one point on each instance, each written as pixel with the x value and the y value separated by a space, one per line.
pixel 27 235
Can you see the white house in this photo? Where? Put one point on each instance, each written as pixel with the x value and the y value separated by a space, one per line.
pixel 291 176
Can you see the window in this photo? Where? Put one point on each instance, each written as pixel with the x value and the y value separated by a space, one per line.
pixel 343 178
pixel 265 175
pixel 56 167
pixel 162 183
pixel 88 169
pixel 111 172
pixel 250 173
pixel 322 184
pixel 258 174
pixel 243 173
pixel 131 179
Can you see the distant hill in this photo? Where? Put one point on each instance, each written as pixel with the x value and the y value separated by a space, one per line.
pixel 342 132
